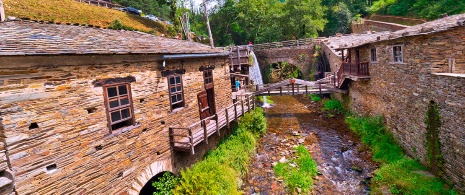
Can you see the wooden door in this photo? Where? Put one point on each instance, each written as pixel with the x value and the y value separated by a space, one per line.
pixel 211 100
pixel 204 109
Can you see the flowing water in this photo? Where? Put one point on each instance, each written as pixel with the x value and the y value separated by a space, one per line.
pixel 344 164
pixel 256 76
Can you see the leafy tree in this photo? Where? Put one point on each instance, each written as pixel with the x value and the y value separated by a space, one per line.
pixel 339 18
pixel 303 18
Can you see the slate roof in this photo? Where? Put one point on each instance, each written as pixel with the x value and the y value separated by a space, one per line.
pixel 431 27
pixel 34 38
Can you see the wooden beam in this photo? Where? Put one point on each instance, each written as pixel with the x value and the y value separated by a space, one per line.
pixel 217 127
pixel 205 135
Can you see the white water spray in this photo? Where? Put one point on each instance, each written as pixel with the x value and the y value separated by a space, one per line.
pixel 256 76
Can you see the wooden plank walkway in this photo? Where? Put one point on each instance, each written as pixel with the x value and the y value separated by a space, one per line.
pixel 186 138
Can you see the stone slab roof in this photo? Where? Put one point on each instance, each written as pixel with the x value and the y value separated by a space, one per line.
pixel 347 41
pixel 34 38
pixel 431 27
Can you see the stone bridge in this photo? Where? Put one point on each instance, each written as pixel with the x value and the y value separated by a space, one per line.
pixel 299 53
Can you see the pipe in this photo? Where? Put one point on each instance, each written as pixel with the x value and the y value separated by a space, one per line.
pixel 200 55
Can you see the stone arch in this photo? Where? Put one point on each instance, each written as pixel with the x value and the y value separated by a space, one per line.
pixel 148 173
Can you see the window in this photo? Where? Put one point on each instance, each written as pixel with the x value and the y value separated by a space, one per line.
pixel 397 53
pixel 119 105
pixel 176 92
pixel 208 77
pixel 373 55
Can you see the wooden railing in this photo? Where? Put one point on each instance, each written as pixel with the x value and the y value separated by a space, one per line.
pixel 186 138
pixel 356 69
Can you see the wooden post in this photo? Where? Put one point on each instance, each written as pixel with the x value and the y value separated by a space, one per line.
pixel 320 87
pixel 217 127
pixel 192 141
pixel 205 138
pixel 227 118
pixel 256 88
pixel 293 89
pixel 306 89
pixel 298 89
pixel 248 103
pixel 281 90
pixel 242 106
pixel 235 112
pixel 253 102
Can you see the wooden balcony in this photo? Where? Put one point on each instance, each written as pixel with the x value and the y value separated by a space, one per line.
pixel 352 71
pixel 186 138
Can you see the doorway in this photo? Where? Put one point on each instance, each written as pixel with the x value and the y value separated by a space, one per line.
pixel 210 90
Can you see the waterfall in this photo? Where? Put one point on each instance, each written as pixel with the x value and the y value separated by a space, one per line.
pixel 256 75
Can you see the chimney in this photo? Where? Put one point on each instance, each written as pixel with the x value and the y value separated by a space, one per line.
pixel 2 12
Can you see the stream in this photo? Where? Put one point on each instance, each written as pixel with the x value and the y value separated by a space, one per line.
pixel 344 164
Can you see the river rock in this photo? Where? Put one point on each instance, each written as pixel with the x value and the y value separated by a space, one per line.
pixel 295 133
pixel 301 140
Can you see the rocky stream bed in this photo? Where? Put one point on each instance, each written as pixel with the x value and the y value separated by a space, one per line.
pixel 344 164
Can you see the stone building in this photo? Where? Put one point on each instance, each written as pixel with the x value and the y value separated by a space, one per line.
pixel 87 111
pixel 400 75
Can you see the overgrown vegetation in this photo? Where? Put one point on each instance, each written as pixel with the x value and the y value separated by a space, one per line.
pixel 70 11
pixel 165 184
pixel 433 146
pixel 116 25
pixel 220 171
pixel 333 106
pixel 398 173
pixel 298 173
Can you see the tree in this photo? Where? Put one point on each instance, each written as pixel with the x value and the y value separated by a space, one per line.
pixel 303 18
pixel 339 18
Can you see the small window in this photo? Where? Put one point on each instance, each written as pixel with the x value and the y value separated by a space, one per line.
pixel 208 76
pixel 119 106
pixel 176 91
pixel 397 53
pixel 373 55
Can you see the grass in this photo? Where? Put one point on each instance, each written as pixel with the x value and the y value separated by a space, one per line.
pixel 222 168
pixel 299 176
pixel 333 106
pixel 70 11
pixel 268 100
pixel 398 173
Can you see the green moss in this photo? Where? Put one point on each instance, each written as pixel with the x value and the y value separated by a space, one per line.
pixel 433 146
pixel 220 171
pixel 399 173
pixel 314 97
pixel 301 175
pixel 268 99
pixel 333 106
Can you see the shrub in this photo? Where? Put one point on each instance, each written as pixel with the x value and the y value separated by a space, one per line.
pixel 221 169
pixel 333 106
pixel 301 175
pixel 117 25
pixel 165 184
pixel 401 174
pixel 314 97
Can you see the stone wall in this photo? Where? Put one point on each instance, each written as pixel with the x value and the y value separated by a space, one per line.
pixel 57 94
pixel 377 26
pixel 300 56
pixel 401 92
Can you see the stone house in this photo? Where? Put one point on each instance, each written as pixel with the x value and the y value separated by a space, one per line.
pixel 400 75
pixel 87 111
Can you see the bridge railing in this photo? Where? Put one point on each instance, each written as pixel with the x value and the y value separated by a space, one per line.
pixel 289 43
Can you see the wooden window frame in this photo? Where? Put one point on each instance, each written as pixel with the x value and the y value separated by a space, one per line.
pixel 183 102
pixel 205 78
pixel 395 58
pixel 373 54
pixel 119 108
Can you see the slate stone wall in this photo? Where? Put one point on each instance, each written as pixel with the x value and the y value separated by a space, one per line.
pixel 401 92
pixel 72 128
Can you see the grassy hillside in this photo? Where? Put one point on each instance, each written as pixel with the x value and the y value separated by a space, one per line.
pixel 70 11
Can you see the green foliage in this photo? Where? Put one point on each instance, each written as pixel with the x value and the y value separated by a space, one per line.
pixel 268 100
pixel 433 146
pixel 221 169
pixel 333 106
pixel 314 97
pixel 267 73
pixel 401 174
pixel 339 18
pixel 428 9
pixel 165 184
pixel 301 175
pixel 159 8
pixel 117 25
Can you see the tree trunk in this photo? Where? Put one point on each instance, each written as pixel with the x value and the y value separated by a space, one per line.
pixel 208 24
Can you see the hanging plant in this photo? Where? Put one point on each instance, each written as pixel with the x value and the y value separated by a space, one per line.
pixel 251 62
